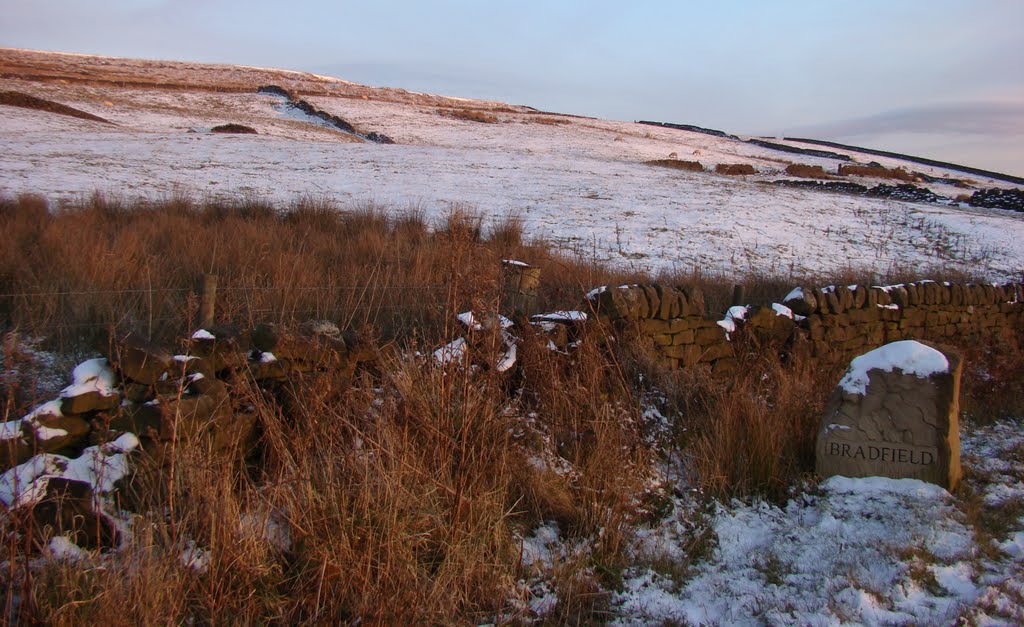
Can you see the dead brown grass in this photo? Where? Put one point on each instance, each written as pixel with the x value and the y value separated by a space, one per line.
pixel 753 432
pixel 403 497
pixel 469 115
pixel 405 494
pixel 549 121
pixel 70 271
pixel 676 164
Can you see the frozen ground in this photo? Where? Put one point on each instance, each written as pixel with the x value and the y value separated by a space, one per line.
pixel 579 182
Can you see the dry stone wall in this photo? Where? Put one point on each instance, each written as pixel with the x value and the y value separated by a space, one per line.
pixel 840 322
pixel 834 323
pixel 674 320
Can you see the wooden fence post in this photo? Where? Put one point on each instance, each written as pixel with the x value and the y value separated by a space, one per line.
pixel 208 300
pixel 738 297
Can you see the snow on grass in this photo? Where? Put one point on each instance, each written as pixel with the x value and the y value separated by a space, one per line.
pixel 908 356
pixel 862 551
pixel 63 549
pixel 561 316
pixel 195 558
pixel 823 559
pixel 453 352
pixel 468 318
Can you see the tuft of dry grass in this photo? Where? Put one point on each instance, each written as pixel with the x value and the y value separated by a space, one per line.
pixel 676 164
pixel 752 433
pixel 469 115
pixel 549 121
pixel 70 271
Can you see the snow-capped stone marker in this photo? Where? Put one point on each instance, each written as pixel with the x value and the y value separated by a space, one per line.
pixel 895 414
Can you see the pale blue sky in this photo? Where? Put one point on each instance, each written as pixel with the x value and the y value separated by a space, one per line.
pixel 939 78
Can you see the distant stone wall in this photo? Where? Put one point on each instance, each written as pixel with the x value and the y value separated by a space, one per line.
pixel 833 324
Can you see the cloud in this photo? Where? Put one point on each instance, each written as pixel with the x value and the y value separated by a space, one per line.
pixel 981 118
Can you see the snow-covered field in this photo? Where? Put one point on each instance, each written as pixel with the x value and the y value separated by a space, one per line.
pixel 581 183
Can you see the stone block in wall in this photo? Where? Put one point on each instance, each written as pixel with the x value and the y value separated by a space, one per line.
pixel 891 315
pixel 768 325
pixel 222 347
pixel 725 367
pixel 140 360
pixel 978 295
pixel 872 299
pixel 860 296
pixel 834 302
pixel 990 294
pixel 846 297
pixel 837 334
pixel 836 320
pixel 819 297
pixel 882 296
pixel 683 337
pixel 899 296
pixel 694 302
pixel 670 327
pixel 653 301
pixel 944 294
pixel 662 339
pixel 716 351
pixel 861 316
pixel 801 301
pixel 664 302
pixel 688 354
pixel 815 327
pixel 875 335
pixel 916 293
pixel 853 344
pixel 956 295
pixel 913 317
pixel 709 335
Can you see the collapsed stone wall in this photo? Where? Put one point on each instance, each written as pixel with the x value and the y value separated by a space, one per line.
pixel 833 324
pixel 144 389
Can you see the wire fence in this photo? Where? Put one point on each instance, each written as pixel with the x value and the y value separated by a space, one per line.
pixel 85 310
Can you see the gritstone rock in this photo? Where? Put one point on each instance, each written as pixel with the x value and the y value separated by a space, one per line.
pixel 895 414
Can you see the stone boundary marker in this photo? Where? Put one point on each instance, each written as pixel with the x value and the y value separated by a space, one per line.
pixel 895 414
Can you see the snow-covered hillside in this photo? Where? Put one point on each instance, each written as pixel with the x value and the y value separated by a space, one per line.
pixel 582 183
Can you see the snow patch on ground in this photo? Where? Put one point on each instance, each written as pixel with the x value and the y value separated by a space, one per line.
pixel 863 551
